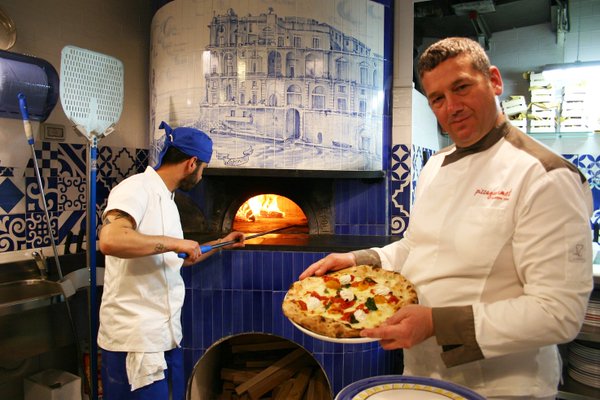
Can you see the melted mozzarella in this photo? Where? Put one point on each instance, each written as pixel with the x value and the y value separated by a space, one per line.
pixel 360 315
pixel 345 279
pixel 347 294
pixel 312 303
pixel 381 290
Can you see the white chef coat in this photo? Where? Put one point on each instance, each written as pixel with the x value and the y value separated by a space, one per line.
pixel 501 231
pixel 143 297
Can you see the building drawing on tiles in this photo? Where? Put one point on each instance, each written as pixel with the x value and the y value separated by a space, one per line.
pixel 292 92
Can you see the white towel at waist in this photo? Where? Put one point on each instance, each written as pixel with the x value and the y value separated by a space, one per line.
pixel 145 368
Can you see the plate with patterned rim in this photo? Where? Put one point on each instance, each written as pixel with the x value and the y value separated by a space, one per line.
pixel 398 387
pixel 332 339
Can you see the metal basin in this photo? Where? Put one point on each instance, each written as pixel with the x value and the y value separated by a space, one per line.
pixel 27 294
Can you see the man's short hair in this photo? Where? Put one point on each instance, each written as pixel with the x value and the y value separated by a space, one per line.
pixel 451 47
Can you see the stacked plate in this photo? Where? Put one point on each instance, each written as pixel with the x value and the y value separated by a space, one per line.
pixel 592 315
pixel 584 363
pixel 397 387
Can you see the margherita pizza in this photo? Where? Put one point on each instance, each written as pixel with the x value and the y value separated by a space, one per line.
pixel 342 303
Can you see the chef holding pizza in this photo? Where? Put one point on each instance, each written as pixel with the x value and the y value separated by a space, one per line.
pixel 140 315
pixel 498 245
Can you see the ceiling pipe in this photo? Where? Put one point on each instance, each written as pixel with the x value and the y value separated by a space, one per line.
pixel 481 29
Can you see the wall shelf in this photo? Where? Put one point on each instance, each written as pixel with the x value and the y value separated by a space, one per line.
pixel 562 135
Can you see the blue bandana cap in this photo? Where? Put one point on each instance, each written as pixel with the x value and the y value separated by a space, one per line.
pixel 190 141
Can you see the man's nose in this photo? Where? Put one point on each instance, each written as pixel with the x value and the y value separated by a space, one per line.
pixel 453 103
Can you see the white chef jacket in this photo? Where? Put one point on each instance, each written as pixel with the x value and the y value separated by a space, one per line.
pixel 143 297
pixel 499 244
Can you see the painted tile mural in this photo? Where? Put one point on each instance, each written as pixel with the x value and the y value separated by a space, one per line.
pixel 23 224
pixel 276 84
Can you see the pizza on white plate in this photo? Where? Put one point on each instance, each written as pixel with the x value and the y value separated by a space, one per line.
pixel 342 303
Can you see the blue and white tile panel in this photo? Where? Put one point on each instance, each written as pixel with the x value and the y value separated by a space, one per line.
pixel 62 166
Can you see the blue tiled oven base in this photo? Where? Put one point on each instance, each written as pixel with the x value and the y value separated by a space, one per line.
pixel 241 291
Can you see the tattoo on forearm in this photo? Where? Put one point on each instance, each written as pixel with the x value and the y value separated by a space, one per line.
pixel 160 248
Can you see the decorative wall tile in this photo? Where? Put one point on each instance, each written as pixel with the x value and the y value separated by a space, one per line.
pixel 106 167
pixel 72 160
pixel 46 154
pixel 72 193
pixel 38 232
pixel 35 201
pixel 6 171
pixel 12 232
pixel 12 200
pixel 64 175
pixel 125 162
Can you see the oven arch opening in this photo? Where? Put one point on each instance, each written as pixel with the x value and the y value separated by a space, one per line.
pixel 269 211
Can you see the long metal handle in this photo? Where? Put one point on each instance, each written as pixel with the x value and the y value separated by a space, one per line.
pixel 208 247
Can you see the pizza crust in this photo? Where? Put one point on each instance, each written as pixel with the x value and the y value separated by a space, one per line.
pixel 328 324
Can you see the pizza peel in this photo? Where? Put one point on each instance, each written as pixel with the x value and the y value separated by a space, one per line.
pixel 208 247
pixel 91 94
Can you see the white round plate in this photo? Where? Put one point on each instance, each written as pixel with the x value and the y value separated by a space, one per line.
pixel 399 387
pixel 334 340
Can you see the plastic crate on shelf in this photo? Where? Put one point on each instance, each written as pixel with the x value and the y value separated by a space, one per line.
pixel 514 105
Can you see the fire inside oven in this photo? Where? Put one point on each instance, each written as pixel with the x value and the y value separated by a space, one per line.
pixel 270 212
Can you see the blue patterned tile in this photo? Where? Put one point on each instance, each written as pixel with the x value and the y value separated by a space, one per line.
pixel 38 232
pixel 105 163
pixel 72 160
pixel 12 200
pixel 72 193
pixel 34 201
pixel 124 161
pixel 400 168
pixel 70 221
pixel 7 171
pixel 12 232
pixel 46 154
pixel 141 160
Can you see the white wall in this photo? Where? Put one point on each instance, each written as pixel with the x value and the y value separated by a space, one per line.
pixel 528 49
pixel 519 50
pixel 119 28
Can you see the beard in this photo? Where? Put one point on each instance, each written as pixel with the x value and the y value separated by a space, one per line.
pixel 191 180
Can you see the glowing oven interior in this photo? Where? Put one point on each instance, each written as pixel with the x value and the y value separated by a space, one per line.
pixel 267 212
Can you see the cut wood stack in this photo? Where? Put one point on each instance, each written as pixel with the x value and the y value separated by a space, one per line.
pixel 274 369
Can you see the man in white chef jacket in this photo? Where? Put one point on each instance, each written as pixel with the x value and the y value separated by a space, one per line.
pixel 498 244
pixel 140 314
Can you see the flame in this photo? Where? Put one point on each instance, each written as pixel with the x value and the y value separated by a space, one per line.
pixel 263 205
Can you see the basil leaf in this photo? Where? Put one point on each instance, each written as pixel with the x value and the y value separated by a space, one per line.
pixel 371 304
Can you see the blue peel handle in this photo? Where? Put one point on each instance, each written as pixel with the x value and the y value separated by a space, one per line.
pixel 25 114
pixel 203 249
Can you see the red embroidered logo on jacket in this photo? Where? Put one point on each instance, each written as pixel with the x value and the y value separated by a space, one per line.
pixel 494 194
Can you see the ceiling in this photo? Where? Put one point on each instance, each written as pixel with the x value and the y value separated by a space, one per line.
pixel 444 18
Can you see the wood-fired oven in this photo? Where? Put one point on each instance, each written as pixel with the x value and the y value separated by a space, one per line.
pixel 237 293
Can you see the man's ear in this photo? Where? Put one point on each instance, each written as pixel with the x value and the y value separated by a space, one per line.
pixel 190 164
